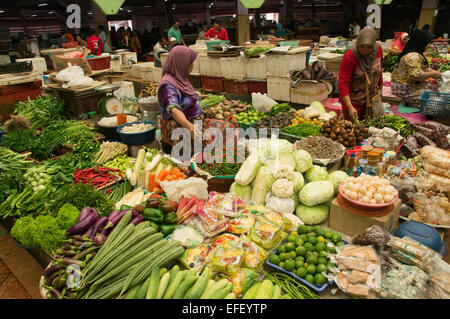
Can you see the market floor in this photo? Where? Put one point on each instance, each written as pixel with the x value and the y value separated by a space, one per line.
pixel 19 271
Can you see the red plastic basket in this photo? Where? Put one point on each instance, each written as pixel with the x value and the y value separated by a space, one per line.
pixel 211 83
pixel 68 45
pixel 257 87
pixel 236 87
pixel 100 63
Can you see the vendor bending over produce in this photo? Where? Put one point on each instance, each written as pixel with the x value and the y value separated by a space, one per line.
pixel 399 43
pixel 361 78
pixel 411 75
pixel 179 103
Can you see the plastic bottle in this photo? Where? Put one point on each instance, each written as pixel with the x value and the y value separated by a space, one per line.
pixel 351 171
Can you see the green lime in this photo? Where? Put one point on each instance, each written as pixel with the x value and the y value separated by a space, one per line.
pixel 300 258
pixel 281 249
pixel 284 256
pixel 299 241
pixel 290 247
pixel 321 268
pixel 311 234
pixel 315 254
pixel 323 253
pixel 321 239
pixel 319 231
pixel 310 278
pixel 274 259
pixel 320 279
pixel 312 240
pixel 331 249
pixel 301 251
pixel 289 264
pixel 293 254
pixel 308 229
pixel 303 237
pixel 294 271
pixel 312 260
pixel 336 237
pixel 320 247
pixel 328 234
pixel 291 238
pixel 330 265
pixel 301 272
pixel 308 247
pixel 322 260
pixel 311 269
pixel 299 263
pixel 340 244
pixel 281 264
pixel 302 229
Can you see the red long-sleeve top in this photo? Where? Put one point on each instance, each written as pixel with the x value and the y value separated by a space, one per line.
pixel 348 66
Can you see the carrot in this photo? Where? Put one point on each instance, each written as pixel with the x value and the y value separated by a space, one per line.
pixel 175 170
pixel 169 178
pixel 151 181
pixel 162 174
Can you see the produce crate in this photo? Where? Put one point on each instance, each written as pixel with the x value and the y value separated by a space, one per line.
pixel 82 102
pixel 196 80
pixel 279 88
pixel 17 67
pixel 314 287
pixel 233 68
pixel 307 92
pixel 39 64
pixel 211 83
pixel 257 68
pixel 281 65
pixel 435 104
pixel 257 86
pixel 102 63
pixel 236 87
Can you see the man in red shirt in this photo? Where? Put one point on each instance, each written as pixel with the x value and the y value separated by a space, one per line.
pixel 95 44
pixel 217 32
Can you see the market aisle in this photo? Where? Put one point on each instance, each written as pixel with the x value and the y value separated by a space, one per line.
pixel 19 271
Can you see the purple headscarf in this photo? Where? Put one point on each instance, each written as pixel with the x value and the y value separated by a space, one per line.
pixel 175 70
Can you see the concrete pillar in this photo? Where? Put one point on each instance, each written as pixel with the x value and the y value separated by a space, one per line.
pixel 243 24
pixel 257 17
pixel 427 13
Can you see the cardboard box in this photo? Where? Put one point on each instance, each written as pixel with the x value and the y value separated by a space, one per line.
pixel 307 92
pixel 60 62
pixel 351 224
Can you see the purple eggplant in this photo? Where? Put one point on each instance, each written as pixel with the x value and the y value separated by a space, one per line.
pixel 100 239
pixel 50 270
pixel 83 225
pixel 113 222
pixel 99 224
pixel 136 220
pixel 135 213
pixel 86 211
pixel 113 214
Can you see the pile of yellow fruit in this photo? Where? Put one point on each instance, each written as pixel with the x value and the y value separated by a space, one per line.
pixel 300 120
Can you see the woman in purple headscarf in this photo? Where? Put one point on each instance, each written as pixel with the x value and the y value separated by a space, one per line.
pixel 179 103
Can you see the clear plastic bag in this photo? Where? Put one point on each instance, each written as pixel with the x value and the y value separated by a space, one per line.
pixel 374 235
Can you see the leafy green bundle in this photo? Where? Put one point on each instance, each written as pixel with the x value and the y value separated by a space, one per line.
pixel 42 111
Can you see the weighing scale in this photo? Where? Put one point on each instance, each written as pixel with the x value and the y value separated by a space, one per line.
pixel 109 99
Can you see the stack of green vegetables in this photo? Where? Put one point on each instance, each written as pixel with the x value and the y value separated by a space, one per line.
pixel 126 260
pixel 394 122
pixel 302 130
pixel 41 112
pixel 211 100
pixel 257 50
pixel 20 140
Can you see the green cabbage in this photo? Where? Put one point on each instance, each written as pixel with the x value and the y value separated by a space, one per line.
pixel 318 106
pixel 337 177
pixel 312 215
pixel 248 169
pixel 303 161
pixel 299 181
pixel 261 185
pixel 243 191
pixel 316 193
pixel 316 173
pixel 272 149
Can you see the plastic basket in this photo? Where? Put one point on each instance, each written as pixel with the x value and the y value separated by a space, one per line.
pixel 210 44
pixel 435 104
pixel 314 287
pixel 294 43
pixel 69 45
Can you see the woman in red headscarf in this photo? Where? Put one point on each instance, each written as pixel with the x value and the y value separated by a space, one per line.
pixel 179 103
pixel 400 42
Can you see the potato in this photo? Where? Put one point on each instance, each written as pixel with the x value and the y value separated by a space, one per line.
pixel 226 114
pixel 219 117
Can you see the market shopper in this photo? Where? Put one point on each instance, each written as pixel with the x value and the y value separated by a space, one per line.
pixel 95 44
pixel 202 32
pixel 217 32
pixel 399 43
pixel 179 103
pixel 160 48
pixel 81 41
pixel 175 32
pixel 102 35
pixel 135 44
pixel 281 33
pixel 361 78
pixel 411 75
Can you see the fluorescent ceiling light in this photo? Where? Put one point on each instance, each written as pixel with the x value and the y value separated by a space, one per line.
pixel 1 11
pixel 34 15
pixel 42 4
pixel 50 12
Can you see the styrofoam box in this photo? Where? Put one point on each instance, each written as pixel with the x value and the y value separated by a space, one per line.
pixel 281 65
pixel 39 64
pixel 140 69
pixel 210 66
pixel 257 68
pixel 126 56
pixel 199 49
pixel 309 92
pixel 157 74
pixel 279 88
pixel 163 57
pixel 116 65
pixel 234 68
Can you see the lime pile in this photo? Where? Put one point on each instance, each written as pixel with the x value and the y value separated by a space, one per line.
pixel 306 254
pixel 250 117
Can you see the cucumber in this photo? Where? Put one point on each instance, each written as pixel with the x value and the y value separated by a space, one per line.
pixel 154 284
pixel 276 292
pixel 163 285
pixel 199 287
pixel 221 293
pixel 231 295
pixel 214 288
pixel 251 293
pixel 184 287
pixel 174 284
pixel 266 290
pixel 173 273
pixel 143 290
